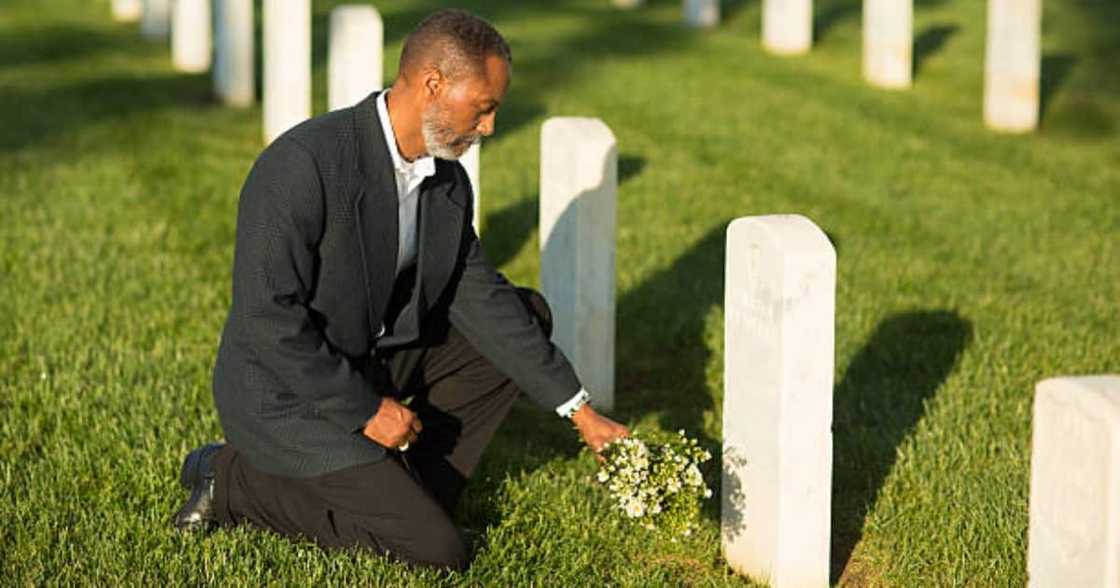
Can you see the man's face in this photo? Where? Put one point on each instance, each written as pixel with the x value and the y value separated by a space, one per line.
pixel 462 112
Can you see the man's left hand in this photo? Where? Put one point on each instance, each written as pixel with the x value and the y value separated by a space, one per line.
pixel 596 429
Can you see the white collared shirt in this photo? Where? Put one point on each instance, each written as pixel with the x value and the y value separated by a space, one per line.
pixel 409 176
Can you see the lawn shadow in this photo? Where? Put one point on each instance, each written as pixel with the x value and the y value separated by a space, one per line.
pixel 876 405
pixel 629 167
pixel 507 230
pixel 33 118
pixel 662 351
pixel 730 9
pixel 527 440
pixel 930 41
pixel 827 15
pixel 1055 70
pixel 61 42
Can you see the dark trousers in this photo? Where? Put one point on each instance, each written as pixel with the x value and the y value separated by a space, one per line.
pixel 401 506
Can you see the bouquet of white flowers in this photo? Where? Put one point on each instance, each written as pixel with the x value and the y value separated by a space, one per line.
pixel 657 485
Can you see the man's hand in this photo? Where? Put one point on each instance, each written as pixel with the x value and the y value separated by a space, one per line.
pixel 394 425
pixel 596 429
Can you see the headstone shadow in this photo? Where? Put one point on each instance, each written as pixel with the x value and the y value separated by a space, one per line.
pixel 930 41
pixel 34 118
pixel 729 9
pixel 827 15
pixel 876 405
pixel 1055 70
pixel 663 354
pixel 507 230
pixel 62 42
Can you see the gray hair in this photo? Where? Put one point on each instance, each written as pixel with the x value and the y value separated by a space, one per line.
pixel 456 42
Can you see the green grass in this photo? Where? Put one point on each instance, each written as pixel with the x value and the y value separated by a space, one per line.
pixel 971 265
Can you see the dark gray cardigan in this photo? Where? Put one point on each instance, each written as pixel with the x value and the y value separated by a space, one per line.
pixel 314 266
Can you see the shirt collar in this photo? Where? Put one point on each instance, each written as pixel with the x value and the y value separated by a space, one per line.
pixel 422 167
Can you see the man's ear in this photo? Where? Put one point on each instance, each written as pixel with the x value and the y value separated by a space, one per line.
pixel 433 83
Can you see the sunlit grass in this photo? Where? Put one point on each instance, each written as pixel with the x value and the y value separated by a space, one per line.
pixel 971 265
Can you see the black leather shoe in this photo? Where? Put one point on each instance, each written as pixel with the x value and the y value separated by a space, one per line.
pixel 197 476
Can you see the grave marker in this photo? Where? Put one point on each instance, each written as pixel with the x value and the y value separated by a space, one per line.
pixel 190 36
pixel 233 52
pixel 779 305
pixel 287 65
pixel 1074 537
pixel 787 26
pixel 579 182
pixel 471 161
pixel 127 10
pixel 155 20
pixel 1012 65
pixel 701 13
pixel 355 54
pixel 888 41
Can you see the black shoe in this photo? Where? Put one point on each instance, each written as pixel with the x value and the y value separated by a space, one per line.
pixel 198 477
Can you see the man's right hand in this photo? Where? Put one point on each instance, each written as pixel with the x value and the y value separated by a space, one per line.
pixel 394 424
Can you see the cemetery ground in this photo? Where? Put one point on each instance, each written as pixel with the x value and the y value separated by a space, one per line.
pixel 971 266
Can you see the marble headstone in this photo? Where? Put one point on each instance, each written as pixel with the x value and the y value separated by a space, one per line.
pixel 190 36
pixel 127 10
pixel 1074 537
pixel 888 42
pixel 701 13
pixel 779 305
pixel 1012 65
pixel 155 19
pixel 234 81
pixel 287 65
pixel 787 26
pixel 355 54
pixel 579 183
pixel 471 161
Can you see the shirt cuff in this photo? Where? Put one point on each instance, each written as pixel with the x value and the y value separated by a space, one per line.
pixel 569 408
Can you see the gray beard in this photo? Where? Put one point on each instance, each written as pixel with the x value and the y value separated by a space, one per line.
pixel 439 140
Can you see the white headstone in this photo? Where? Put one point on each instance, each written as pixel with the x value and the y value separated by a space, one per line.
pixel 1012 65
pixel 627 4
pixel 287 65
pixel 1074 537
pixel 127 10
pixel 888 42
pixel 355 54
pixel 471 161
pixel 779 305
pixel 579 182
pixel 233 52
pixel 155 21
pixel 701 13
pixel 190 36
pixel 787 26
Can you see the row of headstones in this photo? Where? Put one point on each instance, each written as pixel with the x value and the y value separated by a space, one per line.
pixel 1012 61
pixel 779 307
pixel 354 62
pixel 578 155
pixel 779 343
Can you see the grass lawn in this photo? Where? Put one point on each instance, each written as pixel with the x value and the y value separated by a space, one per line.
pixel 971 265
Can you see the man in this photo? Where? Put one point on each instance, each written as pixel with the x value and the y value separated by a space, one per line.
pixel 371 351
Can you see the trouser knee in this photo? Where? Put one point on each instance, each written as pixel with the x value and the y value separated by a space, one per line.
pixel 445 551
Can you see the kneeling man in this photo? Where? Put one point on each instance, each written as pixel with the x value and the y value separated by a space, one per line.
pixel 371 350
